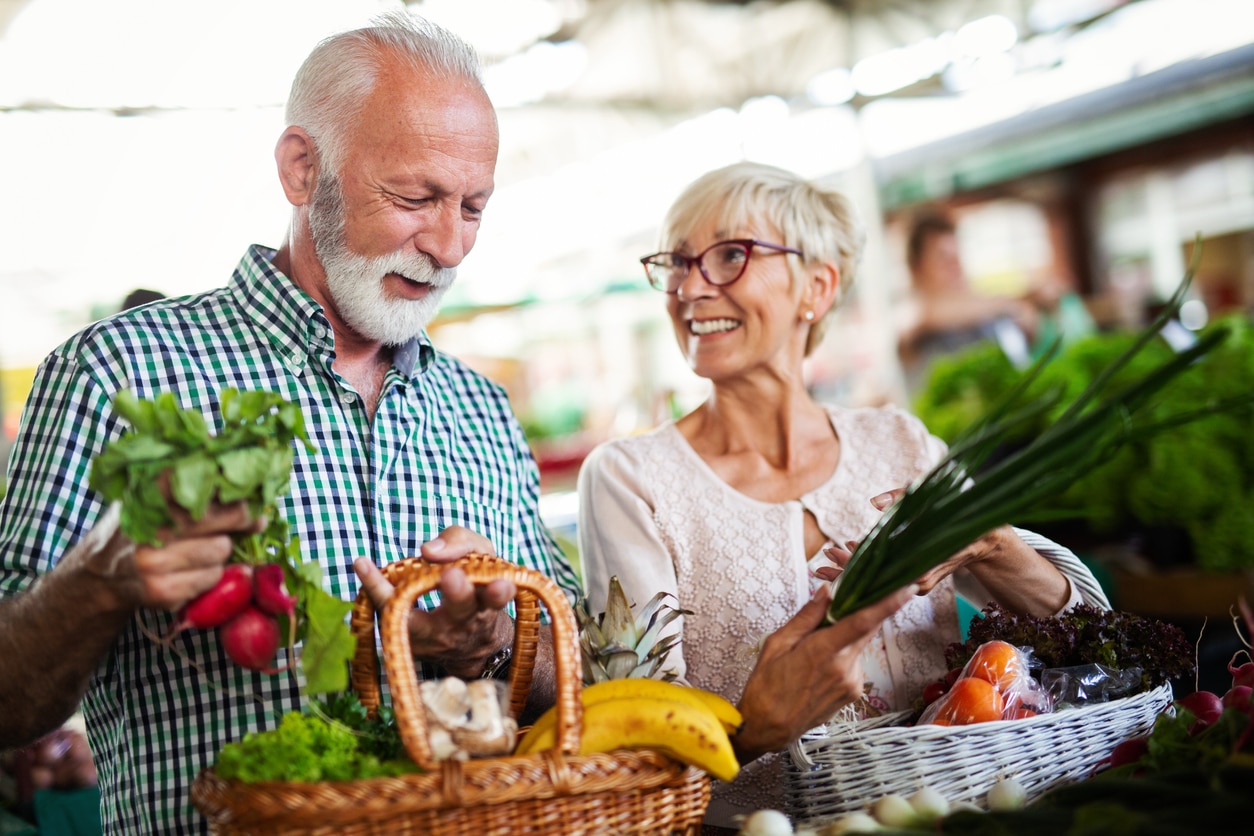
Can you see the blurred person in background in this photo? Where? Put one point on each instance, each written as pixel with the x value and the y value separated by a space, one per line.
pixel 140 296
pixel 744 507
pixel 944 313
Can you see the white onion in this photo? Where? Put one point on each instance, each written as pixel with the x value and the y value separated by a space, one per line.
pixel 929 804
pixel 1006 794
pixel 894 810
pixel 766 823
pixel 856 822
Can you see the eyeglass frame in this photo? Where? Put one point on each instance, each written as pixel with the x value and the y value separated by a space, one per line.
pixel 690 260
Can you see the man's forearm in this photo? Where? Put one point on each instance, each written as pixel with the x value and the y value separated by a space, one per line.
pixel 54 635
pixel 52 639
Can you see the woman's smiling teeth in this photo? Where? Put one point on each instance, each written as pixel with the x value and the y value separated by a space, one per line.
pixel 701 327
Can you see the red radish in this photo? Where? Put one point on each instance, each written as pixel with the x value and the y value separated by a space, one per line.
pixel 251 639
pixel 1204 706
pixel 1243 675
pixel 220 604
pixel 933 691
pixel 1129 751
pixel 1240 697
pixel 270 591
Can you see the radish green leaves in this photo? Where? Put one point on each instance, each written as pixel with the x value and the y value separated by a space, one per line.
pixel 169 456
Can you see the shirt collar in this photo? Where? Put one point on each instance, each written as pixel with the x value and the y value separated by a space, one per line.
pixel 295 323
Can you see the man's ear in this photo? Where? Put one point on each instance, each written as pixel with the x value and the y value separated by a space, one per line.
pixel 298 165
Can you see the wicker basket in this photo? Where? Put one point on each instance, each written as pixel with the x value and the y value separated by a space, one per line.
pixel 554 792
pixel 856 763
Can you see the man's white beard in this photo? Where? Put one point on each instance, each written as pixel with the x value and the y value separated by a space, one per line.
pixel 355 282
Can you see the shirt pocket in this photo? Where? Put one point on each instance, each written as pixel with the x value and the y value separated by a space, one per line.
pixel 487 520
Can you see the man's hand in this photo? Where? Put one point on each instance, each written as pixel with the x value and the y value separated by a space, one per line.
pixel 804 674
pixel 189 562
pixel 470 624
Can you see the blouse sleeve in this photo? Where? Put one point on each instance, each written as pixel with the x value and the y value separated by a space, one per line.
pixel 618 536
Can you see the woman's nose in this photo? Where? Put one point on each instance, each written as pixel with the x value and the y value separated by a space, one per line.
pixel 693 285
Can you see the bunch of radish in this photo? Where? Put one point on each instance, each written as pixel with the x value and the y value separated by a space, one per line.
pixel 1206 710
pixel 245 606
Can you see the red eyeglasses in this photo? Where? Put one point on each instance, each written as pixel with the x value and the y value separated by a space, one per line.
pixel 728 260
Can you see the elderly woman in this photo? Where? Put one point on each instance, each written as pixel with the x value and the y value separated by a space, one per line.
pixel 731 505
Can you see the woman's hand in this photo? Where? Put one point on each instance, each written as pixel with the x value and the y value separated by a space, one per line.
pixel 805 674
pixel 1013 573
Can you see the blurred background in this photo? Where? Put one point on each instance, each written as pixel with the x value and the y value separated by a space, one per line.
pixel 1078 147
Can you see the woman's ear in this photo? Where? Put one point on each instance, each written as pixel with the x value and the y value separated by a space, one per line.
pixel 297 163
pixel 823 289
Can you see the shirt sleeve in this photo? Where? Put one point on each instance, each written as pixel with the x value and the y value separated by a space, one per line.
pixel 618 537
pixel 49 505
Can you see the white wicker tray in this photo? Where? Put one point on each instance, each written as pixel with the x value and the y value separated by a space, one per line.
pixel 856 763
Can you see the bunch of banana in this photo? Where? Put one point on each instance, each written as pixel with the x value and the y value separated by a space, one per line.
pixel 689 724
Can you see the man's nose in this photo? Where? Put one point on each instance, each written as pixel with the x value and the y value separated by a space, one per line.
pixel 447 236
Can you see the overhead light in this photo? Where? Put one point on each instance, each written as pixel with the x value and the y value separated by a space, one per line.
pixel 831 87
pixel 901 67
pixel 529 76
pixel 986 36
pixel 496 28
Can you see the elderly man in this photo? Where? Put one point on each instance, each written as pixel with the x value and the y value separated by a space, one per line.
pixel 388 163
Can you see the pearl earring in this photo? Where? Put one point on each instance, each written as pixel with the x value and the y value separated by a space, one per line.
pixel 809 316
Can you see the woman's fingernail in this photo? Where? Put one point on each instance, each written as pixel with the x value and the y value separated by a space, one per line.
pixel 883 500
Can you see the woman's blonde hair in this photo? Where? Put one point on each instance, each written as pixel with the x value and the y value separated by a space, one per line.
pixel 820 221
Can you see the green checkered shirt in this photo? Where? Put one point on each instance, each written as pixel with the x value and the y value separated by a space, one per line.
pixel 443 449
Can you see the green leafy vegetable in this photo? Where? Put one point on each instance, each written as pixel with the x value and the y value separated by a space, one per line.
pixel 378 735
pixel 169 456
pixel 1086 635
pixel 955 503
pixel 306 748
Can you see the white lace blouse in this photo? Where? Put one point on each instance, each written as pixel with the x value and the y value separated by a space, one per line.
pixel 652 512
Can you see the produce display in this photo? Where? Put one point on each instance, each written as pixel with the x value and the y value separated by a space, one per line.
pixel 267 594
pixel 966 494
pixel 1197 478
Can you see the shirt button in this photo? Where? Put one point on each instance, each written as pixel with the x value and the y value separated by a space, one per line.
pixel 319 332
pixel 347 398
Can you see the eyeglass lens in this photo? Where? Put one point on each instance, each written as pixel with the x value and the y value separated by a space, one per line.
pixel 721 264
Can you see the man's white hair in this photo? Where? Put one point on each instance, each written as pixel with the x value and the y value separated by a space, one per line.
pixel 333 82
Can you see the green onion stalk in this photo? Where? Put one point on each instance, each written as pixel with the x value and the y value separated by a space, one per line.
pixel 951 506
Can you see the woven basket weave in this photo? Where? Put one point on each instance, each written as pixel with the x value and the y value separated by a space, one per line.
pixel 856 763
pixel 554 792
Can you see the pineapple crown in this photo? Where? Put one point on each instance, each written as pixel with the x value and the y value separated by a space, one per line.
pixel 619 645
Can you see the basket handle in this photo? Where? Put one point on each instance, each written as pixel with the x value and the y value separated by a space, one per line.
pixel 413 577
